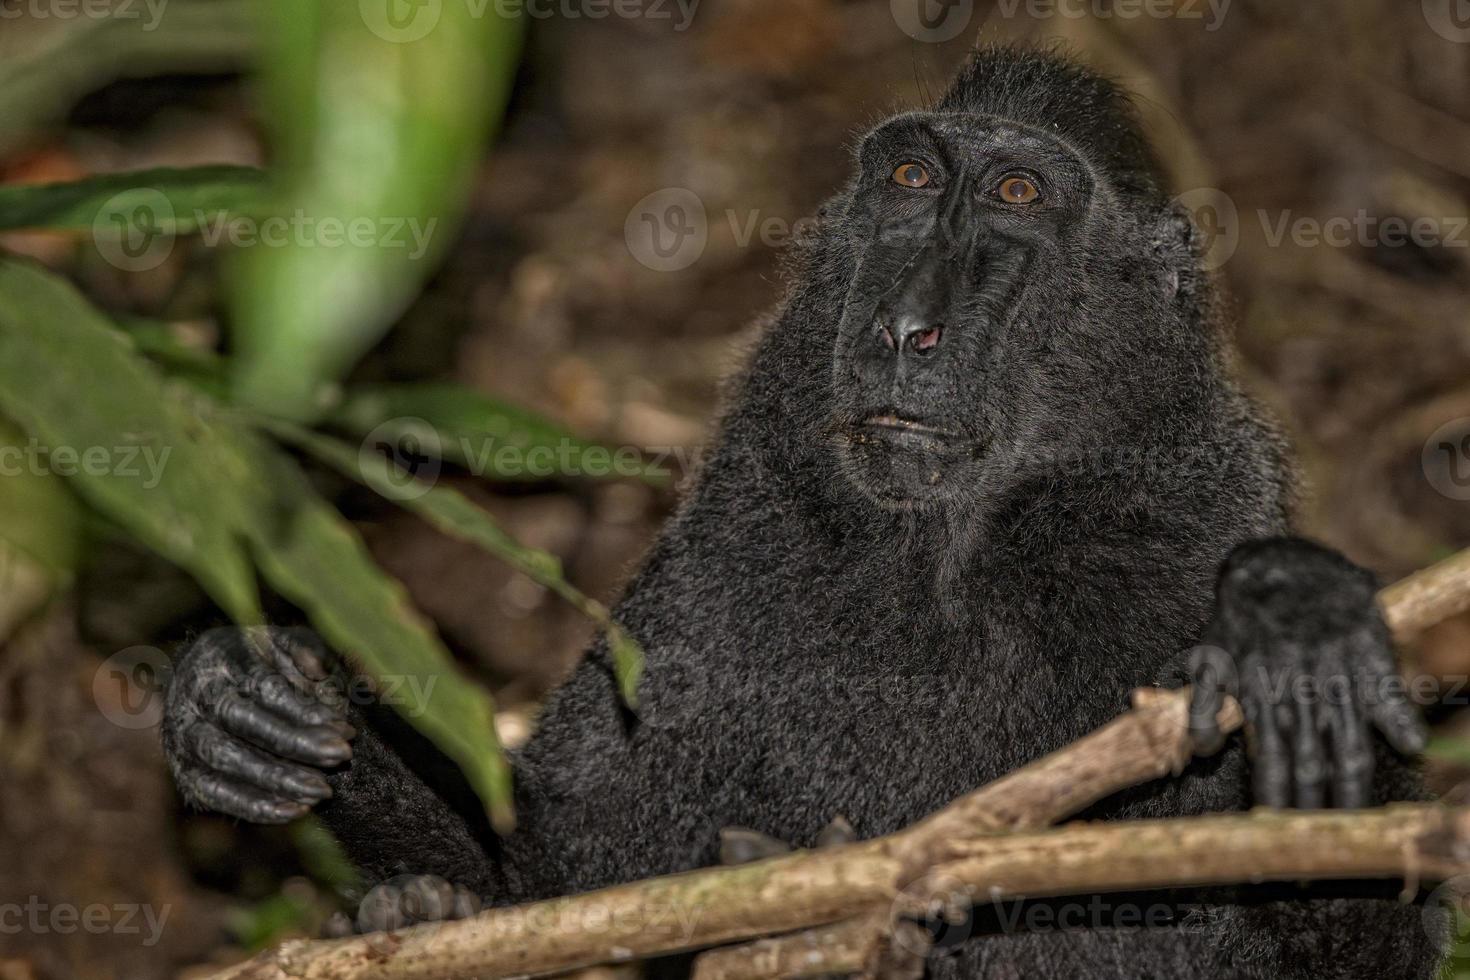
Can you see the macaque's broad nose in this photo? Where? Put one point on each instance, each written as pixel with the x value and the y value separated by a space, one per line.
pixel 908 334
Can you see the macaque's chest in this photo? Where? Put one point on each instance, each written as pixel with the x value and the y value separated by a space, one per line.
pixel 865 723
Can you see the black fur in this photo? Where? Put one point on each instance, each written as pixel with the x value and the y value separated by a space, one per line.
pixel 859 620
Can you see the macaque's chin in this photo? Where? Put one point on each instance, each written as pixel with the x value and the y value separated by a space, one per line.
pixel 903 468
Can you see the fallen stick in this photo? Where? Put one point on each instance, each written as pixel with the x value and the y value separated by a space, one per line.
pixel 809 889
pixel 1410 606
pixel 1413 841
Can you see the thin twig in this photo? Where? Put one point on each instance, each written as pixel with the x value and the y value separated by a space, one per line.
pixel 812 889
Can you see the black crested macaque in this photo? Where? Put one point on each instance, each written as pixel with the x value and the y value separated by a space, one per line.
pixel 987 472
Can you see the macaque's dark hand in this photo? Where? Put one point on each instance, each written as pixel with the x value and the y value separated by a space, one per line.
pixel 253 717
pixel 1298 638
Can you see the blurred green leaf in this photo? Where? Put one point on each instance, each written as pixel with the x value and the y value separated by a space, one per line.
pixel 488 437
pixel 38 513
pixel 73 381
pixel 174 201
pixel 48 63
pixel 377 132
pixel 1449 748
pixel 269 921
pixel 40 530
pixel 162 342
pixel 324 858
pixel 132 445
pixel 454 514
pixel 316 559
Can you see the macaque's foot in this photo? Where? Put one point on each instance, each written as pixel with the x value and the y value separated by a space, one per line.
pixel 741 846
pixel 1298 638
pixel 404 901
pixel 253 718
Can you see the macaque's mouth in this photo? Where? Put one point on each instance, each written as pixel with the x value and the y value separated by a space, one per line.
pixel 895 423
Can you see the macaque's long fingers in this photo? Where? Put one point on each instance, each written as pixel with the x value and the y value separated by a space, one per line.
pixel 381 909
pixel 231 757
pixel 1400 723
pixel 1352 752
pixel 302 708
pixel 245 802
pixel 1309 757
pixel 466 903
pixel 1390 708
pixel 428 898
pixel 1212 677
pixel 1271 763
pixel 307 654
pixel 315 745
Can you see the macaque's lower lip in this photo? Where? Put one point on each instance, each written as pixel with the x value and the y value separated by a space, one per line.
pixel 897 423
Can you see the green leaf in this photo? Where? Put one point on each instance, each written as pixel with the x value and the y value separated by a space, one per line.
pixel 40 530
pixel 324 858
pixel 315 558
pixel 1449 748
pixel 162 342
pixel 488 437
pixel 131 444
pixel 48 63
pixel 454 514
pixel 376 128
pixel 165 201
pixel 38 513
pixel 218 495
pixel 267 922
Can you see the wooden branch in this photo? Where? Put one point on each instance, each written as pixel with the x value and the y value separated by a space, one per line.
pixel 1410 606
pixel 1428 597
pixel 959 847
pixel 1412 841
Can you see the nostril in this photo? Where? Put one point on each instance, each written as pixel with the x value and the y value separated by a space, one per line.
pixel 885 333
pixel 923 341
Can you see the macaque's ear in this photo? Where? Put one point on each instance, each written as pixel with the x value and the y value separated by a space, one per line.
pixel 1180 247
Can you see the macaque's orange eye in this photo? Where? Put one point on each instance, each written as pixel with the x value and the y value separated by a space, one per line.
pixel 1018 190
pixel 911 175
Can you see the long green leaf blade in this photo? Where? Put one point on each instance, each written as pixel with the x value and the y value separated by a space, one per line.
pixel 490 438
pixel 454 514
pixel 163 201
pixel 131 444
pixel 315 558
